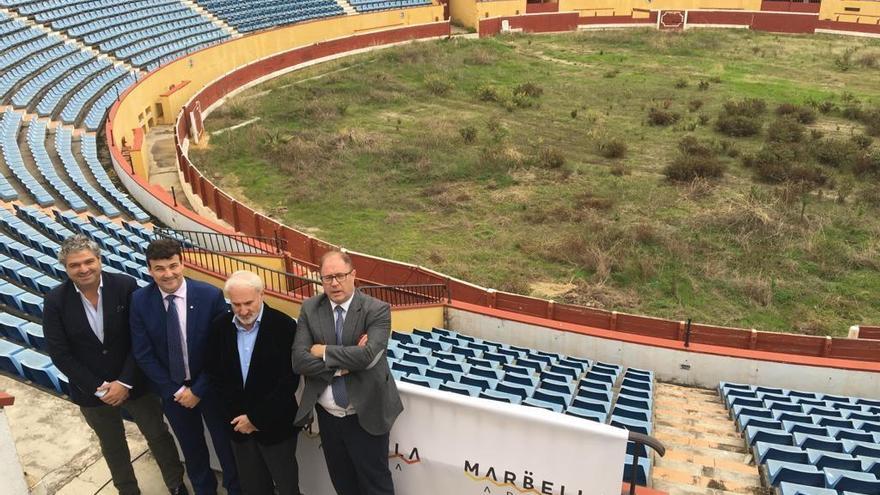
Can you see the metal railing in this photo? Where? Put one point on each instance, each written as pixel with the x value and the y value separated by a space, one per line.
pixel 408 295
pixel 211 252
pixel 641 439
pixel 225 243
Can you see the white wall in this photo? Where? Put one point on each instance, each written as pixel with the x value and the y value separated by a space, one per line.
pixel 669 365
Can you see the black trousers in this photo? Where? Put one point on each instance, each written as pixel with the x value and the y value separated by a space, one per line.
pixel 263 469
pixel 356 460
pixel 147 414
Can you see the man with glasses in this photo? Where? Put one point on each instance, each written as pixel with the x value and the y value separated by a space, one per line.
pixel 339 348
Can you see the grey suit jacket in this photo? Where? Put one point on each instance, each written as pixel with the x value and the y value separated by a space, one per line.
pixel 370 386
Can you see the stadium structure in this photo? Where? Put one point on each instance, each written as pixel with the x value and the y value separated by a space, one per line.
pixel 505 393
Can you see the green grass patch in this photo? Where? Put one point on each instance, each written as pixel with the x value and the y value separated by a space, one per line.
pixel 531 164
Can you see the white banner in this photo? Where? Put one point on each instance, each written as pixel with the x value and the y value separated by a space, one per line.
pixel 449 444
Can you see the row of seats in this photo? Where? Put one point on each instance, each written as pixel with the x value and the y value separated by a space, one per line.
pixel 814 440
pixel 32 365
pixel 9 125
pixel 462 364
pixel 36 140
pixel 373 5
pixel 252 15
pixel 89 152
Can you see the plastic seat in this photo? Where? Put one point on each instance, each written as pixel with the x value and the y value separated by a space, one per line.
pixel 458 388
pixel 418 359
pixel 822 459
pixel 550 406
pixel 567 371
pixel 10 295
pixel 594 385
pixel 765 451
pixel 408 368
pixel 631 424
pixel 850 434
pixel 635 393
pixel 492 374
pixel 446 376
pixel 520 379
pixel 422 333
pixel 756 434
pixel 406 338
pixel 628 412
pixel 434 345
pixel 553 397
pixel 634 403
pixel 522 392
pixel 788 488
pixel 861 449
pixel 536 366
pixel 519 370
pixel 807 441
pixel 422 380
pixel 555 377
pixel 802 474
pixel 566 389
pixel 591 405
pixel 481 383
pixel 10 328
pixel 9 357
pixel 744 421
pixel 474 361
pixel 579 412
pixel 34 334
pixel 451 366
pixel 501 396
pixel 851 481
pixel 35 367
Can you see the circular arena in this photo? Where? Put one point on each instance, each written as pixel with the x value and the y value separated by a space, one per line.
pixel 106 103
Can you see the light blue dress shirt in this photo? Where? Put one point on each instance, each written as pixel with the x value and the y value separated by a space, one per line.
pixel 246 340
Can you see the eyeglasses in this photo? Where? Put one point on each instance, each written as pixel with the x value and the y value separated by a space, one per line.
pixel 339 277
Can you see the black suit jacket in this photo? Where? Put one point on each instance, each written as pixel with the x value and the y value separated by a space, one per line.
pixel 268 396
pixel 76 350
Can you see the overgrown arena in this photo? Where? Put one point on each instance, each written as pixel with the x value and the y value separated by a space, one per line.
pixel 115 120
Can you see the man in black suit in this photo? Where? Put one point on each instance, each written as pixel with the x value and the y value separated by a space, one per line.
pixel 340 348
pixel 85 322
pixel 249 363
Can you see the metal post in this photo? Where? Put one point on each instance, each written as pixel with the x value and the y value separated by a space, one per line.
pixel 687 334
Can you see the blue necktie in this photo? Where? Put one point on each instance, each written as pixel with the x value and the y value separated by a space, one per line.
pixel 340 395
pixel 175 346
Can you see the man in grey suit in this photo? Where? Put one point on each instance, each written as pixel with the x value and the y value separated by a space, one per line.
pixel 340 350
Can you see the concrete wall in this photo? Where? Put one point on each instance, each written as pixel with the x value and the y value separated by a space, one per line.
pixel 673 365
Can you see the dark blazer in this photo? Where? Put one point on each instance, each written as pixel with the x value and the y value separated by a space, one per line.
pixel 76 350
pixel 371 388
pixel 268 396
pixel 148 339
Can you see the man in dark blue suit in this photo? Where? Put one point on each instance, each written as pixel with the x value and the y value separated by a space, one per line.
pixel 170 321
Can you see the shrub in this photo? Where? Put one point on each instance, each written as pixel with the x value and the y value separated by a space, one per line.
pixel 737 125
pixel 843 62
pixel 862 141
pixel 611 74
pixel 786 130
pixel 704 85
pixel 611 148
pixel 529 89
pixel 802 114
pixel 681 83
pixel 748 107
pixel 437 86
pixel 871 119
pixel 869 60
pixel 837 153
pixel 662 117
pixel 488 93
pixel 685 168
pixel 550 158
pixel 852 112
pixel 773 163
pixel 867 164
pixel 468 134
pixel 826 106
pixel 689 145
pixel 695 105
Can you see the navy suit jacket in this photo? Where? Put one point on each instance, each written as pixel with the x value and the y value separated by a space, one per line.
pixel 76 350
pixel 149 343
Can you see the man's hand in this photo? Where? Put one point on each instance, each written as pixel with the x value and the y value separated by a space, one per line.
pixel 361 343
pixel 317 350
pixel 115 393
pixel 242 424
pixel 187 398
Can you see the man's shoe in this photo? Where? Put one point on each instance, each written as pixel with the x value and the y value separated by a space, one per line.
pixel 180 490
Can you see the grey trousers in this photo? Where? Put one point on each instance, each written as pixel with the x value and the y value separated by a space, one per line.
pixel 263 469
pixel 147 414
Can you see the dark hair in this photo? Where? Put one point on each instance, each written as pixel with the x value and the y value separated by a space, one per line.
pixel 163 249
pixel 335 252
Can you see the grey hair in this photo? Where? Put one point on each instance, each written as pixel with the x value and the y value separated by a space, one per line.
pixel 243 278
pixel 76 243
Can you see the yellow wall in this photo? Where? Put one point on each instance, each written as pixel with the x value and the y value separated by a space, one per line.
pixel 625 7
pixel 464 12
pixel 835 10
pixel 137 108
pixel 500 8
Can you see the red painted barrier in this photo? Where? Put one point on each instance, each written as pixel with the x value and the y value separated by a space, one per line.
pixel 866 332
pixel 541 8
pixel 531 23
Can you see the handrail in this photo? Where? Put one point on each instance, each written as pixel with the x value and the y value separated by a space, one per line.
pixel 235 243
pixel 641 439
pixel 408 295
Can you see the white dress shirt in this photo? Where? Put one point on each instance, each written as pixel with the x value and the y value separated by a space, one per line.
pixel 326 399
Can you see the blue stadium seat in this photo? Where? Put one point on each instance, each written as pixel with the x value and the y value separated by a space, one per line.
pixel 31 304
pixel 643 470
pixel 528 381
pixel 408 368
pixel 481 383
pixel 765 451
pixel 459 388
pixel 861 449
pixel 807 441
pixel 596 416
pixel 541 404
pixel 850 434
pixel 552 397
pixel 851 481
pixel 34 333
pixel 446 376
pixel 417 332
pixel 465 352
pixel 422 380
pixel 562 388
pixel 485 372
pixel 756 434
pixel 631 413
pixel 822 459
pixel 591 405
pixel 636 393
pixel 452 366
pixel 35 367
pixel 10 295
pixel 788 488
pixel 9 353
pixel 522 392
pixel 10 328
pixel 595 395
pixel 802 474
pixel 630 424
pixel 405 337
pixel 501 396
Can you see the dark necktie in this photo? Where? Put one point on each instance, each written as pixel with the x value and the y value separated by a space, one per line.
pixel 175 345
pixel 340 395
